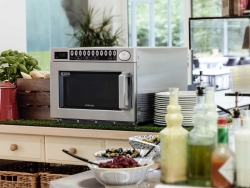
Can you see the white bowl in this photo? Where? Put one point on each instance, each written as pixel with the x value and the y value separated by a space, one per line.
pixel 137 143
pixel 142 153
pixel 121 176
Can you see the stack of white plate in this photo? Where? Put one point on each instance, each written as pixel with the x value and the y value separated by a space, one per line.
pixel 187 101
pixel 145 109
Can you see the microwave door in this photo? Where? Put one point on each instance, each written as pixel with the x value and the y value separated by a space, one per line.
pixel 125 91
pixel 89 90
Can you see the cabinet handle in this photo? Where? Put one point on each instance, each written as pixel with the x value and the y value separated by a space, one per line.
pixel 13 147
pixel 72 150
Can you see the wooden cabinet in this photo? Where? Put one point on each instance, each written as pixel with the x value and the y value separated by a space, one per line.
pixel 117 144
pixel 84 147
pixel 45 144
pixel 22 147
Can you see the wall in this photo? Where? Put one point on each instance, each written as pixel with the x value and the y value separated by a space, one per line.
pixel 13 25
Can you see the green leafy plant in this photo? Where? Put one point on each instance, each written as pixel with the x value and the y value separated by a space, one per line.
pixel 12 63
pixel 90 34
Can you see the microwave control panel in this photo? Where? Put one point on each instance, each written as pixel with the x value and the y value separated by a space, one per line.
pixel 102 55
pixel 106 55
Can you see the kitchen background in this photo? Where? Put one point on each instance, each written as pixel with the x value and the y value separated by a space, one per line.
pixel 34 26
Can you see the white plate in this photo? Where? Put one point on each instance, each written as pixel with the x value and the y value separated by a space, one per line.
pixel 180 93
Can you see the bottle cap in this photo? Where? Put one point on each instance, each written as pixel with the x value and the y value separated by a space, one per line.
pixel 223 135
pixel 200 91
pixel 222 121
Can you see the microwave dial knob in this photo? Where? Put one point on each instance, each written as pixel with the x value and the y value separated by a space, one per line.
pixel 124 56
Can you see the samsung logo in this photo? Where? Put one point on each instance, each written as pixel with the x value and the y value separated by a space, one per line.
pixel 89 105
pixel 65 74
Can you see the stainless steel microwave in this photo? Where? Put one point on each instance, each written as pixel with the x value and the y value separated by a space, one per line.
pixel 112 85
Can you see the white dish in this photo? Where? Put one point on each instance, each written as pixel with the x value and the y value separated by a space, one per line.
pixel 137 143
pixel 116 177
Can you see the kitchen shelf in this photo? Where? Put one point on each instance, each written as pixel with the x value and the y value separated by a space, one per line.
pixel 226 17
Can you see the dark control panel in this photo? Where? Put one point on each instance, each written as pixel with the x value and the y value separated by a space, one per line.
pixel 106 55
pixel 61 55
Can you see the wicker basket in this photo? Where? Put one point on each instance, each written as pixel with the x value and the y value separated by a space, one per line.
pixel 60 172
pixel 22 174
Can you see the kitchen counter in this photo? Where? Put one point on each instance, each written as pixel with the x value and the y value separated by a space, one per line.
pixel 87 180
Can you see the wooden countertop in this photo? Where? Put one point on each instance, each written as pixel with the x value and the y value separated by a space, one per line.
pixel 71 132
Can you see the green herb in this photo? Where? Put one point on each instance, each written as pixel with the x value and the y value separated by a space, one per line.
pixel 12 63
pixel 229 120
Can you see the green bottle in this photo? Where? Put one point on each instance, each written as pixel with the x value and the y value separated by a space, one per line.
pixel 201 143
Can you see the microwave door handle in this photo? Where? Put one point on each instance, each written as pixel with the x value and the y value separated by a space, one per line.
pixel 124 99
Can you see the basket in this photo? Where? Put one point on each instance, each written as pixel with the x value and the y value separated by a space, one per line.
pixel 21 174
pixel 60 172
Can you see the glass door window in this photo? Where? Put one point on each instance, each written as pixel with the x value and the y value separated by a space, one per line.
pixel 89 90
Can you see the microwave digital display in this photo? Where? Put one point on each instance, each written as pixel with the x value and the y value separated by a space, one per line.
pixel 61 55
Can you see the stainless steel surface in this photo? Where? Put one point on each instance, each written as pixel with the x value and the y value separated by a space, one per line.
pixel 56 112
pixel 124 91
pixel 161 68
pixel 151 70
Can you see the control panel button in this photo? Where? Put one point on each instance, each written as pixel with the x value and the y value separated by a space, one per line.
pixel 76 53
pixel 114 53
pixel 93 53
pixel 124 56
pixel 88 53
pixel 72 53
pixel 101 53
pixel 80 53
pixel 96 53
pixel 105 53
pixel 110 53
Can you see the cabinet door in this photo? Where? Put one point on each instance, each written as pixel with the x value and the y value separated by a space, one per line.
pixel 83 147
pixel 117 144
pixel 22 147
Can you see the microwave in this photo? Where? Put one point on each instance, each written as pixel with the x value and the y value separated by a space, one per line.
pixel 112 85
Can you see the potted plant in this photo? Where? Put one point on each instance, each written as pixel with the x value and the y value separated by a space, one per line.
pixel 12 63
pixel 90 34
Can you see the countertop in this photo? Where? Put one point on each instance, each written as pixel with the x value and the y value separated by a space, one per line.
pixel 87 180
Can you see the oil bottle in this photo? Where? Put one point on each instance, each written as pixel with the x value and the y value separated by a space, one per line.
pixel 201 143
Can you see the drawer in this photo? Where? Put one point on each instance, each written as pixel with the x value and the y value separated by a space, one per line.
pixel 84 148
pixel 25 147
pixel 117 144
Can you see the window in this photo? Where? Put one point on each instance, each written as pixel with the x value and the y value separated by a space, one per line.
pixel 156 22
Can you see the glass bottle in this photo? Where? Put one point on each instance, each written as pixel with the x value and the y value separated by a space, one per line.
pixel 242 151
pixel 211 112
pixel 201 143
pixel 223 161
pixel 236 124
pixel 173 143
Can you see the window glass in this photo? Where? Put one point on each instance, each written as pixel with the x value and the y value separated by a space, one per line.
pixel 156 22
pixel 206 8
